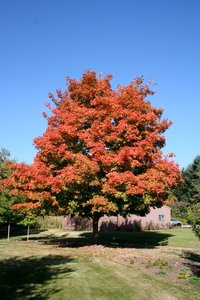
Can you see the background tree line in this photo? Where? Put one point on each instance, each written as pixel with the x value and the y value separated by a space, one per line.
pixel 186 208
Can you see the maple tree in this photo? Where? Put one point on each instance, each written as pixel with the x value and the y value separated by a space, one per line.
pixel 100 154
pixel 8 215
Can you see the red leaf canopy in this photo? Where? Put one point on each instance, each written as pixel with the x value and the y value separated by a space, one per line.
pixel 101 152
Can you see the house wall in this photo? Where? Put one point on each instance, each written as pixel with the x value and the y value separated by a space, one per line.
pixel 157 218
pixel 114 223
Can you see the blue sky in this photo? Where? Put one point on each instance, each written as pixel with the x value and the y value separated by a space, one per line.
pixel 43 41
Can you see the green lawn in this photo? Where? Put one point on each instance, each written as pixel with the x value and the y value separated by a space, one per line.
pixel 62 265
pixel 182 237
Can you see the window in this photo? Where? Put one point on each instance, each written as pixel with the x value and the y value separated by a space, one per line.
pixel 161 218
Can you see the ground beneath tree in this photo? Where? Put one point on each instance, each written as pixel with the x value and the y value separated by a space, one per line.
pixel 176 266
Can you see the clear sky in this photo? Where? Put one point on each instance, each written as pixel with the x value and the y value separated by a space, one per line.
pixel 43 41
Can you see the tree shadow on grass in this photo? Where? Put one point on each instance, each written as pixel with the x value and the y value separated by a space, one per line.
pixel 32 277
pixel 121 239
pixel 193 262
pixel 133 239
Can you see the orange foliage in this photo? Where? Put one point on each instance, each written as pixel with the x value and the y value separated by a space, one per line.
pixel 101 150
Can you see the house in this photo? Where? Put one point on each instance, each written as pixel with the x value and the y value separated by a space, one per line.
pixel 157 218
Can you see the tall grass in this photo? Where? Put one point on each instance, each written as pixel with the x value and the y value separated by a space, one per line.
pixel 50 222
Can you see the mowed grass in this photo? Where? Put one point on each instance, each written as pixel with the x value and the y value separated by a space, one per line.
pixel 183 237
pixel 63 265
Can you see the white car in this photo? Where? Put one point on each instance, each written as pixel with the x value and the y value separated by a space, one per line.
pixel 174 223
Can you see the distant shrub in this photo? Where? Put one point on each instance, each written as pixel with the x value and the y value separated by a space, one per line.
pixel 154 226
pixel 194 218
pixel 50 222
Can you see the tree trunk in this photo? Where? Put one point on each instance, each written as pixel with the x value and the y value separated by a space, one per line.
pixel 95 229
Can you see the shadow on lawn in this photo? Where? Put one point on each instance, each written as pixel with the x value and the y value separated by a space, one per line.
pixel 31 277
pixel 121 239
pixel 193 262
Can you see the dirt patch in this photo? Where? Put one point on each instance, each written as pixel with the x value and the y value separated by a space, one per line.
pixel 171 265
